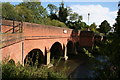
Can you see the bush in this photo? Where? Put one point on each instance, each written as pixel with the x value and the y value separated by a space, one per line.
pixel 57 23
pixel 48 21
pixel 109 69
pixel 27 72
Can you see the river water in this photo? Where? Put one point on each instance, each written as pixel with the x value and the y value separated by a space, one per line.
pixel 77 67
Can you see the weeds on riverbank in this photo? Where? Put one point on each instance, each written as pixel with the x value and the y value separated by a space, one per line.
pixel 18 71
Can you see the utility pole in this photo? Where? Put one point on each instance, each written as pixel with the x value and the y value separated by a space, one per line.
pixel 88 18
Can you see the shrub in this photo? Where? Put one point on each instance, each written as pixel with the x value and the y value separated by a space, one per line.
pixel 27 72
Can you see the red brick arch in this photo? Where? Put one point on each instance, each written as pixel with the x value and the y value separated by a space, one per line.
pixel 35 55
pixel 56 50
pixel 36 36
pixel 70 48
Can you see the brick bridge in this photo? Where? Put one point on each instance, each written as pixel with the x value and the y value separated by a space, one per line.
pixel 22 41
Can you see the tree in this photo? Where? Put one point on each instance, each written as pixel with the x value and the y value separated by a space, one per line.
pixel 37 9
pixel 93 25
pixel 8 11
pixel 83 25
pixel 104 27
pixel 75 17
pixel 63 13
pixel 24 14
pixel 53 10
pixel 117 24
pixel 74 20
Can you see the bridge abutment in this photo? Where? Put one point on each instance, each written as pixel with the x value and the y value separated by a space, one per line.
pixel 47 56
pixel 65 57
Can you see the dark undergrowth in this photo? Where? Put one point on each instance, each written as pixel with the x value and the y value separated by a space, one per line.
pixel 18 71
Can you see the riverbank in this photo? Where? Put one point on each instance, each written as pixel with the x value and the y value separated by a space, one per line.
pixel 76 67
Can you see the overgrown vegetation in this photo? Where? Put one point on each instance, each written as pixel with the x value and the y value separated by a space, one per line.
pixel 106 65
pixel 12 71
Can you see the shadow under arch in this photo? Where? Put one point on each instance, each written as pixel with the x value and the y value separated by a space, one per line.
pixel 56 50
pixel 70 48
pixel 11 61
pixel 34 57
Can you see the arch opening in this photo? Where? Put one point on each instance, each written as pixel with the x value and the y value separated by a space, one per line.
pixel 56 51
pixel 11 61
pixel 34 57
pixel 70 48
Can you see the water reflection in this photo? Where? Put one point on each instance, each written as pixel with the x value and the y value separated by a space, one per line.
pixel 81 68
pixel 102 58
pixel 98 64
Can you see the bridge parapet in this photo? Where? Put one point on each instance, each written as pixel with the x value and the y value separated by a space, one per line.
pixel 11 26
pixel 45 30
pixel 9 39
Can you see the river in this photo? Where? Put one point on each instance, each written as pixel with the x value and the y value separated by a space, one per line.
pixel 77 67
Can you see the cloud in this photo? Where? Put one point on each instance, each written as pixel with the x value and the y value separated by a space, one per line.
pixel 98 13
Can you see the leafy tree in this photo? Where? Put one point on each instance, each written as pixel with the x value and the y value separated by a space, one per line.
pixel 8 11
pixel 93 27
pixel 53 16
pixel 73 25
pixel 48 21
pixel 0 10
pixel 110 49
pixel 63 13
pixel 58 23
pixel 83 25
pixel 117 24
pixel 53 11
pixel 74 20
pixel 52 8
pixel 104 27
pixel 24 14
pixel 37 9
pixel 75 17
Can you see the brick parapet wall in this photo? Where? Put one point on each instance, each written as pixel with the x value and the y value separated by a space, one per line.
pixel 9 39
pixel 37 36
pixel 44 30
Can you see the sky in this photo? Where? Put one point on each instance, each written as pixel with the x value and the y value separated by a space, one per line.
pixel 99 10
